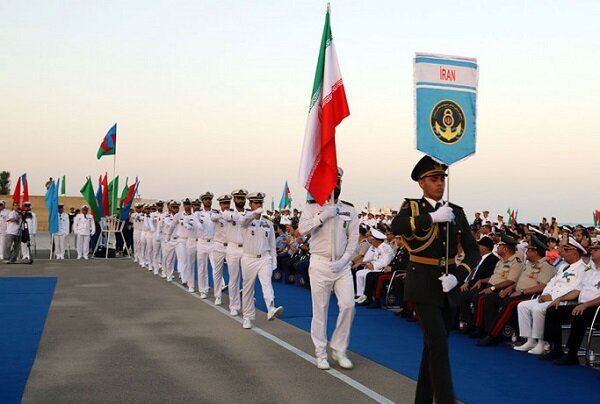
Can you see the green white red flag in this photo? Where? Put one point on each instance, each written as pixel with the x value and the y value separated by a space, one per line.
pixel 328 107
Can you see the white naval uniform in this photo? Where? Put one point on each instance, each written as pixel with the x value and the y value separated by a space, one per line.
pixel 184 232
pixel 379 257
pixel 219 252
pixel 59 238
pixel 205 232
pixel 285 219
pixel 137 219
pixel 532 314
pixel 259 260
pixel 147 239
pixel 156 218
pixel 323 274
pixel 3 216
pixel 167 226
pixel 83 227
pixel 234 252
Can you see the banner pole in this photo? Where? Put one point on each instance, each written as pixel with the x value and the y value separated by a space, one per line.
pixel 333 252
pixel 448 225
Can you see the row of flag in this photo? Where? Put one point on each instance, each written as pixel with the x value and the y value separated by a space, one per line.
pixel 105 201
pixel 21 193
pixel 596 215
pixel 513 216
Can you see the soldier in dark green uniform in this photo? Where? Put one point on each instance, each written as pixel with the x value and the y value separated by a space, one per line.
pixel 422 223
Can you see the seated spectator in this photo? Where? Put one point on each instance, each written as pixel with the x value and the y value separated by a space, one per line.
pixel 587 294
pixel 532 313
pixel 552 254
pixel 506 273
pixel 498 307
pixel 378 257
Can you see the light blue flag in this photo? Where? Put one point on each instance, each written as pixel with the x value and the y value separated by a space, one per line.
pixel 51 201
pixel 446 106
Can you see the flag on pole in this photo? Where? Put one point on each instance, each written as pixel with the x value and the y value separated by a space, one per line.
pixel 128 199
pixel 88 194
pixel 99 199
pixel 124 193
pixel 108 146
pixel 328 107
pixel 51 201
pixel 113 192
pixel 25 188
pixel 63 185
pixel 17 193
pixel 105 206
pixel 446 105
pixel 286 197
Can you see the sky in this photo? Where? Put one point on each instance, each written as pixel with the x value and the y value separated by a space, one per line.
pixel 214 95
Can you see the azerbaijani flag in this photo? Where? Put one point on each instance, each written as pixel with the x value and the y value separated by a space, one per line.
pixel 286 197
pixel 328 107
pixel 108 146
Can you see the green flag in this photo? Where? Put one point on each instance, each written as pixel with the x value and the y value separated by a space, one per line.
pixel 63 185
pixel 124 193
pixel 113 192
pixel 88 194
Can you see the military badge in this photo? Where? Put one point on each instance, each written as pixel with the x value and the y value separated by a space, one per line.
pixel 448 121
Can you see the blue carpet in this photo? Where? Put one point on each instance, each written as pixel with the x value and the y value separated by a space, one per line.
pixel 24 304
pixel 481 375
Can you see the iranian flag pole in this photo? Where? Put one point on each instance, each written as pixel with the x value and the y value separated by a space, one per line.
pixel 328 107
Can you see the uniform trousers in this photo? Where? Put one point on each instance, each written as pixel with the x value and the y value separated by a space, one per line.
pixel 361 280
pixel 497 311
pixel 263 269
pixel 168 258
pixel 234 256
pixel 553 327
pixel 83 245
pixel 11 249
pixel 156 254
pixel 148 239
pixel 218 259
pixel 435 378
pixel 182 258
pixel 2 245
pixel 137 245
pixel 324 279
pixel 466 299
pixel 532 315
pixel 25 249
pixel 204 255
pixel 59 245
pixel 191 253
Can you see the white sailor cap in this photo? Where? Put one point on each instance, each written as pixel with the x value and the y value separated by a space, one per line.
pixel 207 195
pixel 257 197
pixel 572 244
pixel 239 193
pixel 224 198
pixel 85 207
pixel 2 202
pixel 377 234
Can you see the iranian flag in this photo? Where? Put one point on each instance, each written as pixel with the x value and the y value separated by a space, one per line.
pixel 328 107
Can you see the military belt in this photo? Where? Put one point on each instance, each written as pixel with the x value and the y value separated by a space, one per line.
pixel 436 262
pixel 255 255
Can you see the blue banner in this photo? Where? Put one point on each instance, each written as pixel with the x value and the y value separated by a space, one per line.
pixel 51 201
pixel 446 106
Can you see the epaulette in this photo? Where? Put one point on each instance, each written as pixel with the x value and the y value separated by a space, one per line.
pixel 455 205
pixel 346 203
pixel 248 210
pixel 311 201
pixel 518 259
pixel 214 211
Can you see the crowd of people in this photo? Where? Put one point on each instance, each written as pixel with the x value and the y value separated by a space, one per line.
pixel 529 278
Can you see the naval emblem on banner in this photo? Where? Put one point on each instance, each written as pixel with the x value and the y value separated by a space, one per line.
pixel 446 106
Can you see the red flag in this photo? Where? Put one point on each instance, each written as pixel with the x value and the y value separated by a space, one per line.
pixel 105 194
pixel 17 194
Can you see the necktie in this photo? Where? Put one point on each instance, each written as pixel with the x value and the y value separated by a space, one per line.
pixel 437 205
pixel 473 272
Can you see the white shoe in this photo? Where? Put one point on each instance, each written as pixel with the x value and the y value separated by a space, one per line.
pixel 247 324
pixel 233 312
pixel 217 301
pixel 150 269
pixel 170 279
pixel 342 359
pixel 274 312
pixel 538 349
pixel 203 295
pixel 323 363
pixel 86 258
pixel 361 299
pixel 530 344
pixel 164 276
pixel 191 290
pixel 79 257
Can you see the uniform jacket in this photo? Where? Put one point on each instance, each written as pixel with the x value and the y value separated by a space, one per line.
pixel 485 269
pixel 426 239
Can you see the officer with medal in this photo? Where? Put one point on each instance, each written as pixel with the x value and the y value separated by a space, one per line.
pixel 329 272
pixel 423 223
pixel 259 260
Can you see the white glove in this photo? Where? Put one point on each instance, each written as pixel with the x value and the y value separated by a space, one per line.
pixel 443 214
pixel 327 213
pixel 340 264
pixel 257 211
pixel 449 282
pixel 274 263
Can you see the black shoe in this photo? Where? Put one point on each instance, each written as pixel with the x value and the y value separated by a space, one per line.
pixel 488 341
pixel 374 305
pixel 552 355
pixel 566 360
pixel 477 333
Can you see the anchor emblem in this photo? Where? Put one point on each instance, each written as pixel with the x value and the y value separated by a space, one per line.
pixel 447 122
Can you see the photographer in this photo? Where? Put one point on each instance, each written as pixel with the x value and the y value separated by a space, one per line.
pixel 12 242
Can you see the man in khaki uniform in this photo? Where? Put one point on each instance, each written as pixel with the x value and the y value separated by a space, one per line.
pixel 506 273
pixel 499 307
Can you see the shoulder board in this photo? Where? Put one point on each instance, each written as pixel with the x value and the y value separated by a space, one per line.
pixel 518 259
pixel 248 210
pixel 311 201
pixel 346 203
pixel 455 206
pixel 231 210
pixel 214 211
